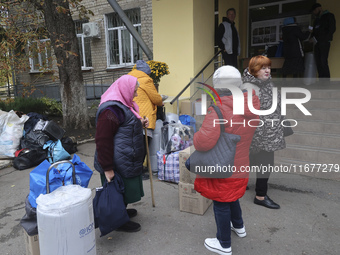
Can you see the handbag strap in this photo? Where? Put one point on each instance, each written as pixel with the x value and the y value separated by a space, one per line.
pixel 220 116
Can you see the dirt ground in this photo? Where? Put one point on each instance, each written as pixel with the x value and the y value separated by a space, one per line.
pixel 80 135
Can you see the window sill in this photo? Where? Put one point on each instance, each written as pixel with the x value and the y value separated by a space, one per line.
pixel 43 72
pixel 112 68
pixel 87 69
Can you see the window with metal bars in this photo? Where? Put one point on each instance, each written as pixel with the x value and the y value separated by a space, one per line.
pixel 122 48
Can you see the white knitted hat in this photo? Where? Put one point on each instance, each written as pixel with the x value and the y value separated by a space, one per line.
pixel 226 75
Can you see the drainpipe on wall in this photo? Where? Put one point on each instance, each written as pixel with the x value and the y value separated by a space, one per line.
pixel 131 28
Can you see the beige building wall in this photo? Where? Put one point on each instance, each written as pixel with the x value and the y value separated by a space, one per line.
pixel 184 39
pixel 204 33
pixel 173 42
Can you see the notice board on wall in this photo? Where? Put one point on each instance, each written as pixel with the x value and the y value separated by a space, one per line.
pixel 270 31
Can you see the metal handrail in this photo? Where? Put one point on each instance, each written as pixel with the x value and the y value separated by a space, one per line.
pixel 188 85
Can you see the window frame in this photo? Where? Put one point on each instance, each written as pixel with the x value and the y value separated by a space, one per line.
pixel 82 38
pixel 48 57
pixel 120 30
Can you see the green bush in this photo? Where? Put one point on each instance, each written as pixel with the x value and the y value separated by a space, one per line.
pixel 42 105
pixel 53 107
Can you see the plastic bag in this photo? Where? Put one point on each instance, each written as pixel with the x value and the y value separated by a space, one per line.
pixel 29 221
pixel 59 176
pixel 11 131
pixel 50 128
pixel 188 120
pixel 168 167
pixel 65 222
pixel 29 158
pixel 69 144
pixel 36 138
pixel 176 137
pixel 56 151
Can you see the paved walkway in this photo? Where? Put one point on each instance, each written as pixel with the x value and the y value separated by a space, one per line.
pixel 308 222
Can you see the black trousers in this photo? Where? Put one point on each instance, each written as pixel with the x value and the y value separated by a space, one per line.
pixel 321 51
pixel 230 59
pixel 263 160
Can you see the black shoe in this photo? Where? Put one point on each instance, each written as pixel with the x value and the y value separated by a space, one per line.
pixel 131 212
pixel 267 202
pixel 130 226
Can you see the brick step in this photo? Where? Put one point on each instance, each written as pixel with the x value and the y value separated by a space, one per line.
pixel 310 154
pixel 315 104
pixel 317 115
pixel 325 94
pixel 324 127
pixel 308 168
pixel 313 139
pixel 332 92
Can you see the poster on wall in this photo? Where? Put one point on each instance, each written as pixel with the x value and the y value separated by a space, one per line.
pixel 270 31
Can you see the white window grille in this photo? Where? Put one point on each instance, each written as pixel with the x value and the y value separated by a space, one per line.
pixel 122 48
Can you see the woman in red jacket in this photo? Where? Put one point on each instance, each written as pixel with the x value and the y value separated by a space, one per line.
pixel 226 192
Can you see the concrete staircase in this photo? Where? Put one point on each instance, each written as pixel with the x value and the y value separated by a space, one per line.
pixel 316 138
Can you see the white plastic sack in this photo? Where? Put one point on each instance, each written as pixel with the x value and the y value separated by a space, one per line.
pixel 155 145
pixel 65 222
pixel 11 131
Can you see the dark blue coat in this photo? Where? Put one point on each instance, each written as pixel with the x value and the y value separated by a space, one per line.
pixel 128 142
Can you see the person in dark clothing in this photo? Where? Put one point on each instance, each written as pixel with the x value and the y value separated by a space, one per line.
pixel 228 39
pixel 292 48
pixel 322 35
pixel 119 142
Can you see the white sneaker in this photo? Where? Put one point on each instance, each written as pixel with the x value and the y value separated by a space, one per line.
pixel 241 232
pixel 212 244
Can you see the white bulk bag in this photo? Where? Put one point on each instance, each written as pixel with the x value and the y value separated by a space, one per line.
pixel 11 131
pixel 65 222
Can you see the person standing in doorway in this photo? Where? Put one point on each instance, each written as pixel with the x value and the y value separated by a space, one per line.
pixel 322 35
pixel 228 39
pixel 292 36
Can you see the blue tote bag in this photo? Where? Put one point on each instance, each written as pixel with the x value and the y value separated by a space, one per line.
pixel 58 176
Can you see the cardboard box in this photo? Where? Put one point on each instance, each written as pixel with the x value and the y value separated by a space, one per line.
pixel 186 107
pixel 32 244
pixel 185 175
pixel 191 201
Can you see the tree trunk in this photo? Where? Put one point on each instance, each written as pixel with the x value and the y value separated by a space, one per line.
pixel 63 37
